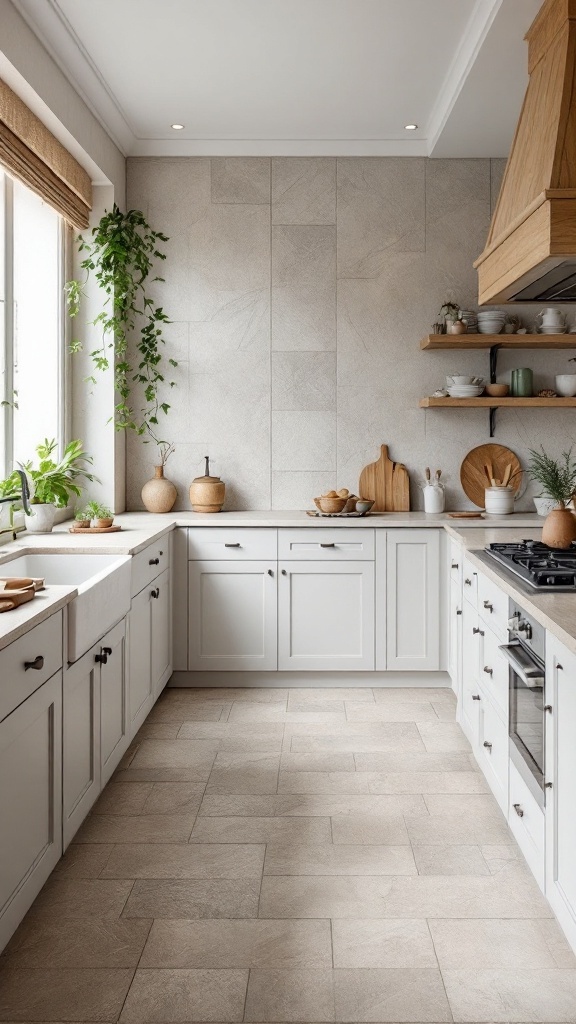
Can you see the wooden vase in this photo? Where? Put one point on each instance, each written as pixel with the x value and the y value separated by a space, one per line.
pixel 207 492
pixel 159 494
pixel 559 528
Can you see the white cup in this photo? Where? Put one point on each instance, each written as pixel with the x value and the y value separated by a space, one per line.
pixel 565 384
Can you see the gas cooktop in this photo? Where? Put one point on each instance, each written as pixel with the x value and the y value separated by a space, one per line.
pixel 541 567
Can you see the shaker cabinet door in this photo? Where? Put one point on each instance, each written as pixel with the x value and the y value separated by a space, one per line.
pixel 413 598
pixel 81 742
pixel 161 632
pixel 140 696
pixel 114 727
pixel 326 616
pixel 232 616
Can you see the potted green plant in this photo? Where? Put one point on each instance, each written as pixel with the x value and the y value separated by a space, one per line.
pixel 82 520
pixel 557 477
pixel 97 514
pixel 52 483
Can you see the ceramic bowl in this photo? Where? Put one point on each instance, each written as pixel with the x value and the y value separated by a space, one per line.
pixel 332 505
pixel 565 384
pixel 364 505
pixel 459 379
pixel 497 390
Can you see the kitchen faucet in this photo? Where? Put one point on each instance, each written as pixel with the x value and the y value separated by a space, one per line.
pixel 24 495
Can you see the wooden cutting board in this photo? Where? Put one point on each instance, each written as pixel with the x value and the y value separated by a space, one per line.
pixel 473 477
pixel 386 483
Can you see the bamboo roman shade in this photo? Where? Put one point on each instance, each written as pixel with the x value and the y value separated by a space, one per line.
pixel 32 154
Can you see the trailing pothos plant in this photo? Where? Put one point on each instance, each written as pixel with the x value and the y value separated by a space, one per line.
pixel 121 253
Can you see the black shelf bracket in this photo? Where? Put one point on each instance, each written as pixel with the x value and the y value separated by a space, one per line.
pixel 492 421
pixel 494 349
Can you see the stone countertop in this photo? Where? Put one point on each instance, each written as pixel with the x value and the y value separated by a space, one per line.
pixel 19 621
pixel 557 612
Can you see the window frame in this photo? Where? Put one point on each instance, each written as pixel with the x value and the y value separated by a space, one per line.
pixel 65 238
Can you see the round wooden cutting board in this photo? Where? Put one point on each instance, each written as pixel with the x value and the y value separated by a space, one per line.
pixel 473 477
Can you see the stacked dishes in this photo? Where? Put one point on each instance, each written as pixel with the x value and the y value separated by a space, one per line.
pixel 470 319
pixel 466 390
pixel 490 321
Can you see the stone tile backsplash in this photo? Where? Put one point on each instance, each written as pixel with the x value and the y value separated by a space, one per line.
pixel 300 289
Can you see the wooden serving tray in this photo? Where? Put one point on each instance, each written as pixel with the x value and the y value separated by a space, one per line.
pixel 11 598
pixel 95 529
pixel 339 515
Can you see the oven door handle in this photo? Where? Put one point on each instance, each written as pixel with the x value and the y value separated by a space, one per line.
pixel 528 670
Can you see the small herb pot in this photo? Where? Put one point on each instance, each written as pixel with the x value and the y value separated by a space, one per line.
pixel 103 524
pixel 82 524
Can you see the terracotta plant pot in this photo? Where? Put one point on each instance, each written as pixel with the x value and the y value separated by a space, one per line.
pixel 159 494
pixel 103 524
pixel 82 524
pixel 559 528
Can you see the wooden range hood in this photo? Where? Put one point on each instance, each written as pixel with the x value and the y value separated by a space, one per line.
pixel 530 255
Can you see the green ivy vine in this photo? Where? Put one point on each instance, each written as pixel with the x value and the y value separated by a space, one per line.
pixel 121 253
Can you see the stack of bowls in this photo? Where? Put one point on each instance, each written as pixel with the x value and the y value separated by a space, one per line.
pixel 490 321
pixel 459 386
pixel 470 318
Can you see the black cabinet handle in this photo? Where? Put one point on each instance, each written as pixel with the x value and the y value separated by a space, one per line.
pixel 154 561
pixel 548 708
pixel 488 671
pixel 237 545
pixel 284 573
pixel 454 565
pixel 332 545
pixel 38 663
pixel 468 583
pixel 488 606
pixel 518 810
pixel 487 745
pixel 270 572
pixel 458 611
pixel 476 696
pixel 476 629
pixel 101 658
pixel 155 593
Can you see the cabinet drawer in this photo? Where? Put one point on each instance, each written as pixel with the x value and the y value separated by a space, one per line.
pixel 493 752
pixel 455 561
pixel 148 564
pixel 494 671
pixel 526 820
pixel 18 682
pixel 469 582
pixel 493 606
pixel 209 544
pixel 328 544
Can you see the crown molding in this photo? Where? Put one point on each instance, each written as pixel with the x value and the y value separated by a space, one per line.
pixel 279 147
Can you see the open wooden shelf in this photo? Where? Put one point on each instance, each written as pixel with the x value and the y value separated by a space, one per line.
pixel 497 403
pixel 471 341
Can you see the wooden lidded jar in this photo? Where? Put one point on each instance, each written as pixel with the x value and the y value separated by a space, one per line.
pixel 207 492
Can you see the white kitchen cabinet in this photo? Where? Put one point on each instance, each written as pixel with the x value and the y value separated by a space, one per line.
pixel 561 782
pixel 161 632
pixel 455 636
pixel 413 600
pixel 80 742
pixel 114 726
pixel 492 750
pixel 326 615
pixel 149 647
pixel 232 615
pixel 30 801
pixel 469 707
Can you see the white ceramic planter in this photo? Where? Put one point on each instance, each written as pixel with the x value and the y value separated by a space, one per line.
pixel 42 519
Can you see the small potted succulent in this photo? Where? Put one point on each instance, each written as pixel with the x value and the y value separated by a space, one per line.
pixel 97 515
pixel 557 477
pixel 82 520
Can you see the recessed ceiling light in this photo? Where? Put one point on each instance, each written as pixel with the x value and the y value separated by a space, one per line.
pixel 408 127
pixel 177 127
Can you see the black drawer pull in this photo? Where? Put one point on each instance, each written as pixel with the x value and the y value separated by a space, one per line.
pixel 488 671
pixel 454 565
pixel 489 607
pixel 458 611
pixel 38 663
pixel 154 561
pixel 102 658
pixel 236 545
pixel 476 629
pixel 518 810
pixel 155 593
pixel 487 745
pixel 270 572
pixel 468 583
pixel 331 545
pixel 284 573
pixel 476 696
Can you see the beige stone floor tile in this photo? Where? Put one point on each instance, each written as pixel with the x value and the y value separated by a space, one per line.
pixel 225 730
pixel 329 805
pixel 251 711
pixel 490 944
pixel 158 730
pixel 123 798
pixel 338 860
pixel 63 995
pixel 254 695
pixel 196 755
pixel 445 710
pixel 136 828
pixel 500 858
pixel 393 711
pixel 396 732
pixel 81 897
pixel 557 943
pixel 261 830
pixel 242 712
pixel 140 860
pixel 443 736
pixel 408 994
pixel 194 898
pixel 298 995
pixel 244 774
pixel 224 944
pixel 83 861
pixel 364 944
pixel 372 829
pixel 174 996
pixel 390 736
pixel 176 713
pixel 446 829
pixel 501 996
pixel 317 762
pixel 415 761
pixel 237 805
pixel 419 694
pixel 450 860
pixel 64 943
pixel 174 798
pixel 319 705
pixel 335 783
pixel 427 782
pixel 478 806
pixel 326 693
pixel 319 897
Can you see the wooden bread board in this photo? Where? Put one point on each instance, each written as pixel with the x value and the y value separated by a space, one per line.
pixel 473 478
pixel 11 598
pixel 386 483
pixel 96 529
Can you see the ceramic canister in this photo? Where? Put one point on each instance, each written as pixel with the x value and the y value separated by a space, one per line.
pixel 499 501
pixel 522 383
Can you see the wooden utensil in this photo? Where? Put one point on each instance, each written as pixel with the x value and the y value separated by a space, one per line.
pixel 506 476
pixel 427 474
pixel 11 598
pixel 493 457
pixel 386 483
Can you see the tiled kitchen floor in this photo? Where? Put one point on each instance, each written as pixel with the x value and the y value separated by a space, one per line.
pixel 302 855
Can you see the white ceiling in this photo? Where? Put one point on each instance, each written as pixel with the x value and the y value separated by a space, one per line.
pixel 294 76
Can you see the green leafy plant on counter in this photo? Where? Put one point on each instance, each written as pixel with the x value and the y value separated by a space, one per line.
pixel 94 510
pixel 557 477
pixel 54 482
pixel 121 254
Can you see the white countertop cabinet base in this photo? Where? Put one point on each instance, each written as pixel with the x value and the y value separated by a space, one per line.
pixel 81 742
pixel 411 576
pixel 114 725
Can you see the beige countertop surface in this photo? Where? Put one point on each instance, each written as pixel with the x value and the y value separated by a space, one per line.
pixel 557 612
pixel 19 621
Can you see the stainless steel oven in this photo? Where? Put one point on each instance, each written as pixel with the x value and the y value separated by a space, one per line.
pixel 525 654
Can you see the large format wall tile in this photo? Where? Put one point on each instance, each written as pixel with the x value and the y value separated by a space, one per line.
pixel 240 179
pixel 303 287
pixel 304 190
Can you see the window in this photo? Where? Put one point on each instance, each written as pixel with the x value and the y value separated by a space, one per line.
pixel 32 325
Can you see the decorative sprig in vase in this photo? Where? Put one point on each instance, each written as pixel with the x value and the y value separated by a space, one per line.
pixel 557 478
pixel 159 494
